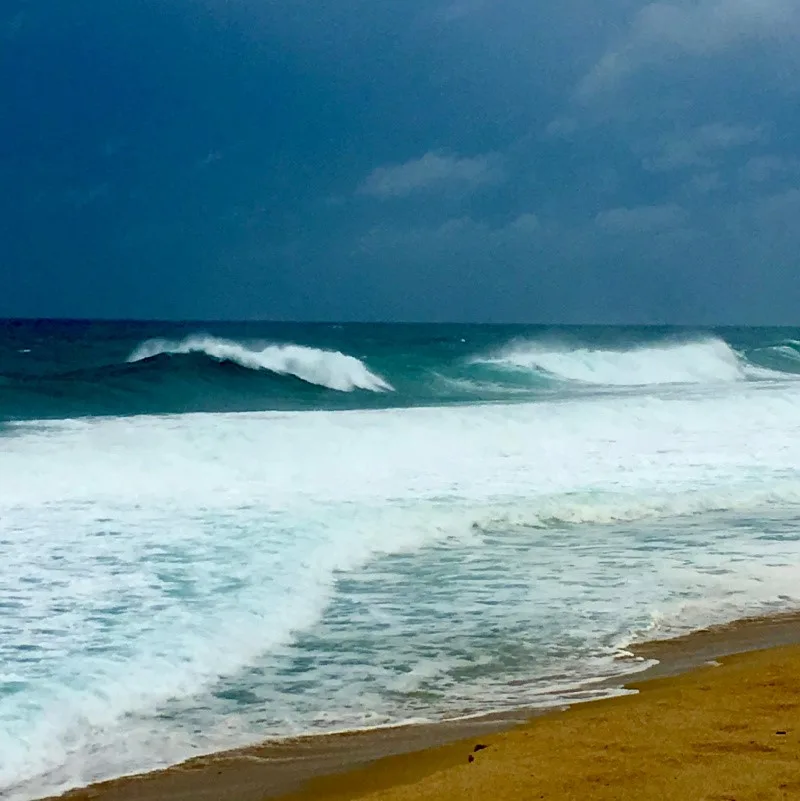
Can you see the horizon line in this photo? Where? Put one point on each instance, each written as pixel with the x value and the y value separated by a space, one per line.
pixel 282 321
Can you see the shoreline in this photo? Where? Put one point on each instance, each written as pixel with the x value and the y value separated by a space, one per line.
pixel 327 762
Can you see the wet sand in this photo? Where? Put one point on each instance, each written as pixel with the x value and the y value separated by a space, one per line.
pixel 694 729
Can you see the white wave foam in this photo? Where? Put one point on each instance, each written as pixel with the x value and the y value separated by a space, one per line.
pixel 676 617
pixel 611 508
pixel 325 368
pixel 706 361
pixel 787 350
pixel 188 554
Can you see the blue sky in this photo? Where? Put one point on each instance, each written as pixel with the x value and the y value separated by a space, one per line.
pixel 606 161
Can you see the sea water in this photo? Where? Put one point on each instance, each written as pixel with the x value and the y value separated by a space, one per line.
pixel 213 535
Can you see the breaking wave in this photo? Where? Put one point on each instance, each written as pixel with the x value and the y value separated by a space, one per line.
pixel 330 369
pixel 199 372
pixel 701 362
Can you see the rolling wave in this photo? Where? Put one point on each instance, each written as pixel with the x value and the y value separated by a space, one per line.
pixel 701 362
pixel 204 373
pixel 330 369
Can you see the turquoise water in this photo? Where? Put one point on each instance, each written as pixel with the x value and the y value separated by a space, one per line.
pixel 213 535
pixel 57 370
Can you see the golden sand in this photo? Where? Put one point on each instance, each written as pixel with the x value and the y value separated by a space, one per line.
pixel 721 732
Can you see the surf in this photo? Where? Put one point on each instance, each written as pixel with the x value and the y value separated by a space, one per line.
pixel 150 370
pixel 705 361
pixel 330 369
pixel 237 557
pixel 317 567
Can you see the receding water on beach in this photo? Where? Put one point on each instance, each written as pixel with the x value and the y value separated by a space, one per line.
pixel 213 535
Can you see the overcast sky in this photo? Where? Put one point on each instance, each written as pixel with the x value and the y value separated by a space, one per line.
pixel 497 160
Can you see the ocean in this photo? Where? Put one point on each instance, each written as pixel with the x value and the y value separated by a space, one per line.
pixel 215 534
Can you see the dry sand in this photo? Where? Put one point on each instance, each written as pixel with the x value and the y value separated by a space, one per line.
pixel 720 732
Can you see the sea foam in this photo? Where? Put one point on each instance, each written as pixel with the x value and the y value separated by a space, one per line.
pixel 207 580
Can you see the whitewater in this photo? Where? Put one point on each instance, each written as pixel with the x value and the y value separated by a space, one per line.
pixel 329 369
pixel 213 537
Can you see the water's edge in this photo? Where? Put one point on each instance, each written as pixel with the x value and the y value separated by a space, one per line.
pixel 292 762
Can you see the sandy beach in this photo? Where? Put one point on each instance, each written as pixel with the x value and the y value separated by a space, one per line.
pixel 717 718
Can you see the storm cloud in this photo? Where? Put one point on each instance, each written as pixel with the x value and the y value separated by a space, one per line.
pixel 614 161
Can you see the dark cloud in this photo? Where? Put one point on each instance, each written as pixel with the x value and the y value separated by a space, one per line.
pixel 609 161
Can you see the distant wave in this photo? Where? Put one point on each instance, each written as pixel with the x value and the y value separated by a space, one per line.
pixel 783 357
pixel 324 368
pixel 700 362
pixel 204 373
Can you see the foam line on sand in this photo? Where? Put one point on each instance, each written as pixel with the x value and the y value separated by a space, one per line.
pixel 718 718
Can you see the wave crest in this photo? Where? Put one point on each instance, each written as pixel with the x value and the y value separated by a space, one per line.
pixel 700 362
pixel 325 368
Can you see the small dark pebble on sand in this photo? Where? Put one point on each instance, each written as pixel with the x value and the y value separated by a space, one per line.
pixel 479 747
pixel 470 758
